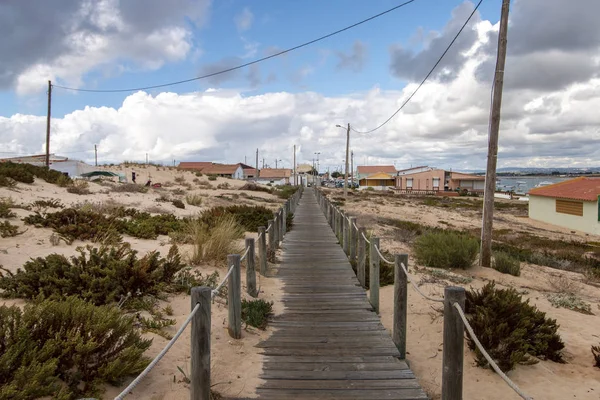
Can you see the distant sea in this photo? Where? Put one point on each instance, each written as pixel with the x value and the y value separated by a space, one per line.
pixel 505 183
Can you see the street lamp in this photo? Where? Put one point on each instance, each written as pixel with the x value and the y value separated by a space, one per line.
pixel 276 161
pixel 347 157
pixel 317 154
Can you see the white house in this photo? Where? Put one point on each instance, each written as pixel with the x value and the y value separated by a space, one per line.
pixel 72 168
pixel 571 204
pixel 274 176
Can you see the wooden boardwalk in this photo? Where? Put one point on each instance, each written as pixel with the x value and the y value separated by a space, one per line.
pixel 328 343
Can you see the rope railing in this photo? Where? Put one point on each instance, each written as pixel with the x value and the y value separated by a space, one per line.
pixel 450 301
pixel 382 257
pixel 160 355
pixel 489 359
pixel 213 293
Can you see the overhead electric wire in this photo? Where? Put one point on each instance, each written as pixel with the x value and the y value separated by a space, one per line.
pixel 426 77
pixel 242 65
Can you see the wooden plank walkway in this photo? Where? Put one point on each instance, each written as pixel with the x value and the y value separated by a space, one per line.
pixel 329 344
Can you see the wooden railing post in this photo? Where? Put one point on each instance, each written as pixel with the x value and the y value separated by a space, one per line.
pixel 352 239
pixel 276 225
pixel 346 235
pixel 374 274
pixel 262 250
pixel 400 303
pixel 282 224
pixel 452 364
pixel 340 229
pixel 234 297
pixel 361 259
pixel 200 345
pixel 284 213
pixel 250 269
pixel 271 227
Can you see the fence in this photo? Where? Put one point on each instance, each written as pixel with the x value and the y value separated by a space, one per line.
pixel 354 241
pixel 201 300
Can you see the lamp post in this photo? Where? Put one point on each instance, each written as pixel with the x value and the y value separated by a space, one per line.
pixel 347 158
pixel 276 161
pixel 317 154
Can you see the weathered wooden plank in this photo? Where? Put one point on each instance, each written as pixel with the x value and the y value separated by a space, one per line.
pixel 348 394
pixel 337 375
pixel 334 366
pixel 356 384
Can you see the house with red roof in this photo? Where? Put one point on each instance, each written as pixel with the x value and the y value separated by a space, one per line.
pixel 572 204
pixel 378 177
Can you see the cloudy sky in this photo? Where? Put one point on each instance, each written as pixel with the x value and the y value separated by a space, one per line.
pixel 550 108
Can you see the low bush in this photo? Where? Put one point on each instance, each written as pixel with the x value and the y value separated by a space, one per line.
pixel 9 230
pixel 26 173
pixel 505 263
pixel 178 203
pixel 178 192
pixel 289 222
pixel 224 185
pixel 256 312
pixel 249 217
pixel 510 329
pixel 212 178
pixel 446 249
pixel 256 188
pixel 98 275
pixel 179 179
pixel 194 200
pixel 66 349
pixel 130 188
pixel 571 302
pixel 84 224
pixel 79 187
pixel 53 203
pixel 285 191
pixel 596 354
pixel 5 208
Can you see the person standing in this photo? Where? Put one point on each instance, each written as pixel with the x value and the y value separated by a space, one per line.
pixel 133 176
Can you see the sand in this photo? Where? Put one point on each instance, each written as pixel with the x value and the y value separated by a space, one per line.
pixel 576 379
pixel 235 364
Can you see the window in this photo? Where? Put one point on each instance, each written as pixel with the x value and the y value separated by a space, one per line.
pixel 569 207
pixel 436 183
pixel 409 182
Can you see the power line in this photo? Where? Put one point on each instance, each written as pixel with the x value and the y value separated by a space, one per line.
pixel 427 76
pixel 242 65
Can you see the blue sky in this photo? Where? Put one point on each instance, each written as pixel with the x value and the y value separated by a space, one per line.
pixel 275 24
pixel 551 94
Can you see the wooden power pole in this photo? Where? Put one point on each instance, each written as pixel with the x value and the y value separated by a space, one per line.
pixel 96 153
pixel 347 161
pixel 295 180
pixel 485 260
pixel 256 174
pixel 48 123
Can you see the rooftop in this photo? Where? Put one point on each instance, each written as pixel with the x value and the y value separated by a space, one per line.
pixel 373 169
pixel 584 188
pixel 275 173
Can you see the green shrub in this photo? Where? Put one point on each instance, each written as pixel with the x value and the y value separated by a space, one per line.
pixel 178 203
pixel 98 275
pixel 179 179
pixel 571 302
pixel 85 224
pixel 286 191
pixel 79 187
pixel 212 178
pixel 198 173
pixel 25 173
pixel 249 217
pixel 256 188
pixel 446 249
pixel 6 204
pixel 596 354
pixel 66 349
pixel 510 329
pixel 505 263
pixel 224 185
pixel 256 312
pixel 289 222
pixel 194 200
pixel 53 203
pixel 63 181
pixel 9 230
pixel 130 188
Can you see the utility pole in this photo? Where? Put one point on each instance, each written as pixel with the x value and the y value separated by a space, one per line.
pixel 263 165
pixel 256 175
pixel 347 157
pixel 295 180
pixel 146 158
pixel 48 124
pixel 352 168
pixel 485 259
pixel 96 153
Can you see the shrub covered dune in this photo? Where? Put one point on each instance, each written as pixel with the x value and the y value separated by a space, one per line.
pixel 84 322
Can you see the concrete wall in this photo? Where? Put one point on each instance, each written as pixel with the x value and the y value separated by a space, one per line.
pixel 544 209
pixel 421 180
pixel 239 173
pixel 273 181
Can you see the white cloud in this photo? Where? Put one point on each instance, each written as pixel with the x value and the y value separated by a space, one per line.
pixel 244 20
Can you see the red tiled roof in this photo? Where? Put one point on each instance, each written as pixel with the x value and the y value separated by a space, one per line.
pixel 584 188
pixel 220 169
pixel 275 173
pixel 467 177
pixel 372 169
pixel 194 165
